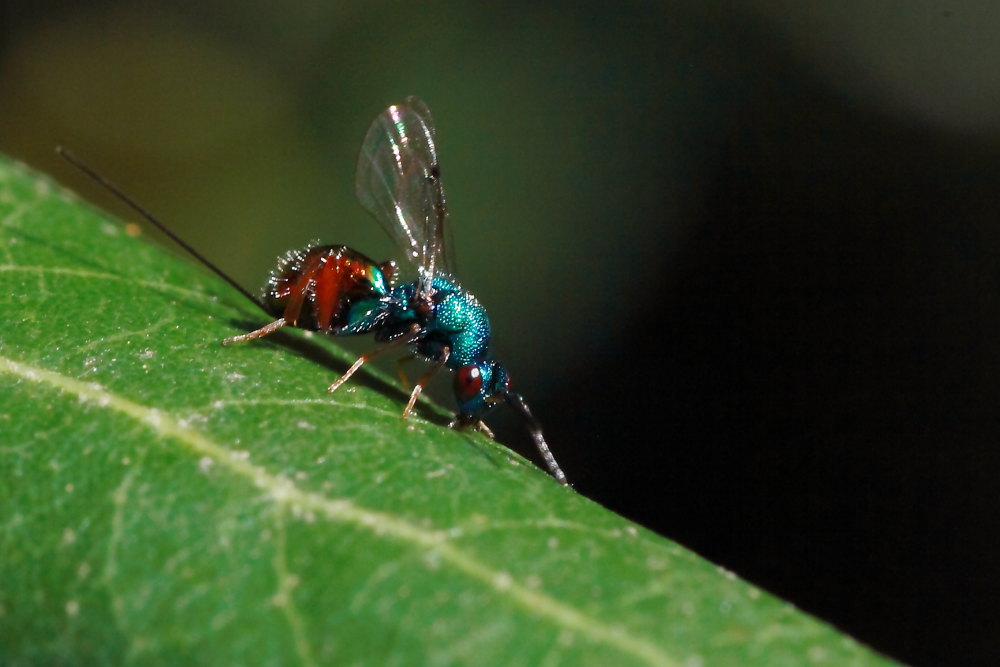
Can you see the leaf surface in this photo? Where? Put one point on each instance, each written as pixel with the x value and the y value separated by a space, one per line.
pixel 170 501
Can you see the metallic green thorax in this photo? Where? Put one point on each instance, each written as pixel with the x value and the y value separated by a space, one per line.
pixel 458 322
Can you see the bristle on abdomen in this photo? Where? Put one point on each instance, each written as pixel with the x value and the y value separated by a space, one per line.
pixel 314 288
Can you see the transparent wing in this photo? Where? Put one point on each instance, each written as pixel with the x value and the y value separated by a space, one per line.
pixel 399 182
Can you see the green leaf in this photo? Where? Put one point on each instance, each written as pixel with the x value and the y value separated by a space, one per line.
pixel 168 500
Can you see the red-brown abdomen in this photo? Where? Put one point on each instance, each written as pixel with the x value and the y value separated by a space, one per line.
pixel 314 288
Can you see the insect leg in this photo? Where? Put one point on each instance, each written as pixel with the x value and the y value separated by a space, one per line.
pixel 425 378
pixel 259 333
pixel 399 368
pixel 459 423
pixel 404 338
pixel 484 429
pixel 516 401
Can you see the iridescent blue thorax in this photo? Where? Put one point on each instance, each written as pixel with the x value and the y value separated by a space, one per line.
pixel 456 320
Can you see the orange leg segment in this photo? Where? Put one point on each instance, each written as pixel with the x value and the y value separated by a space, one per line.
pixel 259 333
pixel 424 379
pixel 399 341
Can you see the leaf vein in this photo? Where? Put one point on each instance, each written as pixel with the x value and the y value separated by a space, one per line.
pixel 284 492
pixel 119 500
pixel 97 275
pixel 284 598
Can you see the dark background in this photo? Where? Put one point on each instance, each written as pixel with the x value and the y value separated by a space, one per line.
pixel 741 259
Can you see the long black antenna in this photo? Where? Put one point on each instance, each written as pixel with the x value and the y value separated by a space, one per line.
pixel 135 206
pixel 516 401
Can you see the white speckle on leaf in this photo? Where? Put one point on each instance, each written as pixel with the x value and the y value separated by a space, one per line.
pixel 72 607
pixel 301 475
pixel 440 472
pixel 235 377
pixel 632 531
pixel 281 490
pixel 502 581
pixel 694 661
pixel 126 461
pixel 68 488
pixel 656 564
pixel 83 571
pixel 726 573
pixel 432 559
pixel 240 455
pixel 218 405
pixel 148 353
pixel 205 464
pixel 565 638
pixel 306 426
pixel 553 543
pixel 68 536
pixel 153 418
pixel 687 608
pixel 320 460
pixel 817 654
pixel 350 390
pixel 753 593
pixel 533 581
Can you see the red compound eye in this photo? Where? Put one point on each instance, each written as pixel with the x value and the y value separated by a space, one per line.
pixel 468 382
